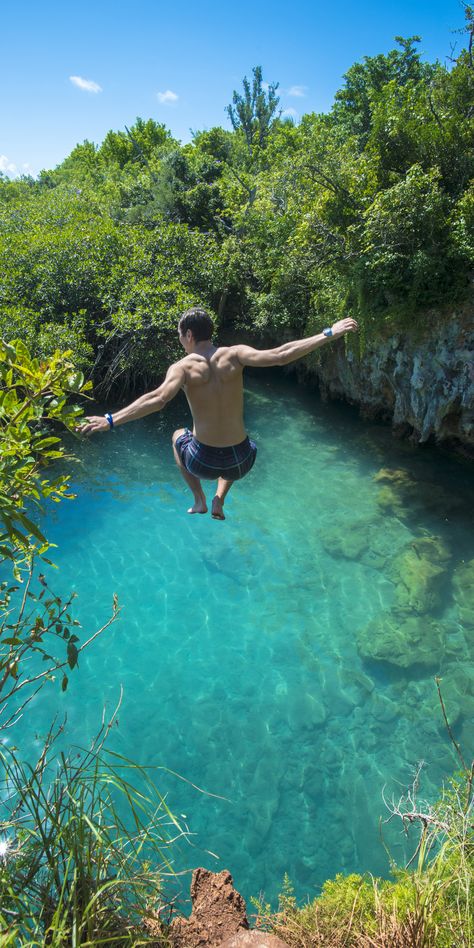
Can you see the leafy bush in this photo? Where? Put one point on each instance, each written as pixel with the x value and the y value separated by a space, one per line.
pixel 463 225
pixel 408 254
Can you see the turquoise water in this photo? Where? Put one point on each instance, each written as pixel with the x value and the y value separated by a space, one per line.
pixel 241 645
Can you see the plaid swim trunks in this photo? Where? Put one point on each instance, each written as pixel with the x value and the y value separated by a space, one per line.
pixel 204 460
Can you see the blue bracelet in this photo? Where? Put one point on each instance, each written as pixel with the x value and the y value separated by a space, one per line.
pixel 109 418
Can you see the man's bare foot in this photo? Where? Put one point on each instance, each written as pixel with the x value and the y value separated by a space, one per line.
pixel 217 509
pixel 199 506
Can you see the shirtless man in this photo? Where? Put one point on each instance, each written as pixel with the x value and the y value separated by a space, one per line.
pixel 211 377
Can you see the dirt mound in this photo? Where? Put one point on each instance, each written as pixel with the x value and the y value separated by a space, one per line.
pixel 218 918
pixel 219 912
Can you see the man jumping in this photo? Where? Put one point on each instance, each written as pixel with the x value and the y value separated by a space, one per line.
pixel 212 379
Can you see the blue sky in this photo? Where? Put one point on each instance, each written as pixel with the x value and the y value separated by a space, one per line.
pixel 179 63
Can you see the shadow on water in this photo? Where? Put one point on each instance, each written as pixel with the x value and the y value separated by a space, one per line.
pixel 284 659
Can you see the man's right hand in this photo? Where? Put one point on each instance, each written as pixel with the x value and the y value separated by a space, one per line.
pixel 344 325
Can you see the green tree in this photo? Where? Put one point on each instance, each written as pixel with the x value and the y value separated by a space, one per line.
pixel 254 112
pixel 408 254
pixel 137 144
pixel 364 81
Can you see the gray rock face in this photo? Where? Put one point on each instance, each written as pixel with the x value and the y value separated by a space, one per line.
pixel 423 380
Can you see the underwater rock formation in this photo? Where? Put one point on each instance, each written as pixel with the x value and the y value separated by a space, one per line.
pixel 349 540
pixel 402 641
pixel 417 572
pixel 417 703
pixel 412 631
pixel 363 540
pixel 463 590
pixel 404 496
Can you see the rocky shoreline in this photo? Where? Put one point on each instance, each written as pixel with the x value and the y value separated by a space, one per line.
pixel 420 382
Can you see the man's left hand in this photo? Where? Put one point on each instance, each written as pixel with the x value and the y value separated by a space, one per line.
pixel 94 423
pixel 344 325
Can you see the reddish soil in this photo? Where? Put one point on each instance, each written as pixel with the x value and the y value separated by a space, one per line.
pixel 218 917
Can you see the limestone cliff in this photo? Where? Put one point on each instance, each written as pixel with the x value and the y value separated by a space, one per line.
pixel 422 381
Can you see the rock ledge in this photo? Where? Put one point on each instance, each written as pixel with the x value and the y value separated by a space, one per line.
pixel 218 917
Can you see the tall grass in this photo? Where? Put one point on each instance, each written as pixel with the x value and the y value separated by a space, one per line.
pixel 84 848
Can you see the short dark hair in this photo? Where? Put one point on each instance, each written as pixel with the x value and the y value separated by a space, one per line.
pixel 199 322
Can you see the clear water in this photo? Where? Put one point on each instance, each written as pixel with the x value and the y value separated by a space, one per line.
pixel 237 642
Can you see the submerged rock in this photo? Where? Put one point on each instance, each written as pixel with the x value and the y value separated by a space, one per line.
pixel 355 685
pixel 372 540
pixel 402 641
pixel 306 712
pixel 417 573
pixel 397 476
pixel 463 682
pixel 432 548
pixel 404 495
pixel 382 542
pixel 428 707
pixel 383 709
pixel 349 540
pixel 390 501
pixel 463 590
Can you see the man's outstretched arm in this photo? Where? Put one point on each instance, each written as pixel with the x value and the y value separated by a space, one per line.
pixel 145 405
pixel 291 351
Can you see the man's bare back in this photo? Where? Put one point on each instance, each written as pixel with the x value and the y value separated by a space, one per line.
pixel 211 377
pixel 214 389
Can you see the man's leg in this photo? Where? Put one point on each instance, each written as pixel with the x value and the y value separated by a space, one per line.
pixel 200 505
pixel 223 488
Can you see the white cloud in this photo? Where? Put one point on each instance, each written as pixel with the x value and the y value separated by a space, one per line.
pixel 87 85
pixel 166 98
pixel 7 166
pixel 298 91
pixel 289 113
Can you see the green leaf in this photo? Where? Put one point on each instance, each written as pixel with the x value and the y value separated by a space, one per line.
pixel 31 527
pixel 72 655
pixel 45 443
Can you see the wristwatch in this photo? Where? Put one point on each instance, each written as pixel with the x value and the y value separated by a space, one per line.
pixel 327 332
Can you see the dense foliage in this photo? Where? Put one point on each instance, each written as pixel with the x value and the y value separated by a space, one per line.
pixel 38 636
pixel 367 210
